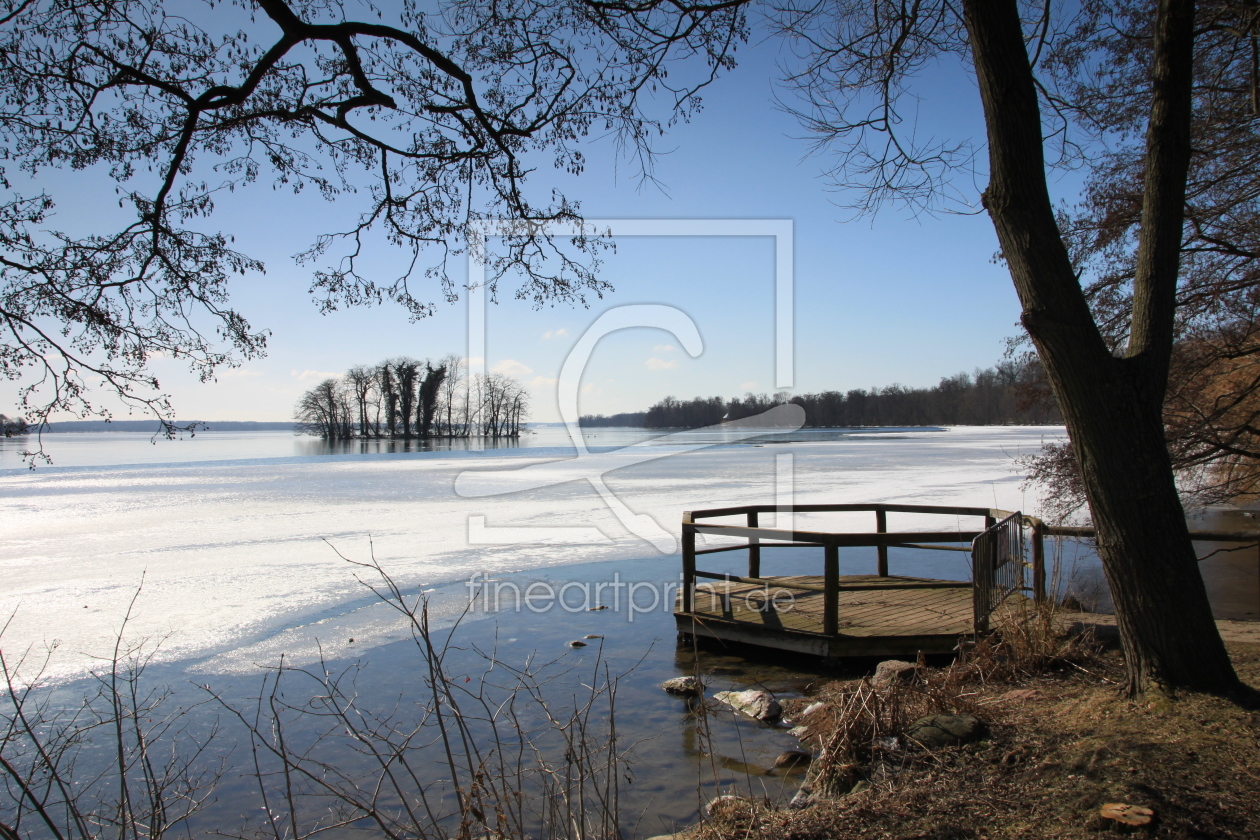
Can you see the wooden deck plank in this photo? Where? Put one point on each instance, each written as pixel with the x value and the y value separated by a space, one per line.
pixel 948 602
pixel 901 608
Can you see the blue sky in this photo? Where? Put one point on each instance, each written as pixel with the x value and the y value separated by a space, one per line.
pixel 882 300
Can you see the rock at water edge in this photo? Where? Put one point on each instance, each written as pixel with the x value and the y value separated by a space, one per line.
pixel 683 686
pixel 754 702
pixel 793 758
pixel 724 804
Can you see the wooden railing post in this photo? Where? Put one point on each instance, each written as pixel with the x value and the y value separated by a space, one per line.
pixel 982 550
pixel 688 562
pixel 1039 563
pixel 831 583
pixel 754 548
pixel 881 525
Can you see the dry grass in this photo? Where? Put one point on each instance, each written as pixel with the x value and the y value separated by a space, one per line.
pixel 1061 742
pixel 858 724
pixel 1026 643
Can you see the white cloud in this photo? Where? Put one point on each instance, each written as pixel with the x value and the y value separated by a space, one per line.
pixel 317 375
pixel 664 348
pixel 511 367
pixel 660 364
pixel 747 386
pixel 542 381
pixel 550 334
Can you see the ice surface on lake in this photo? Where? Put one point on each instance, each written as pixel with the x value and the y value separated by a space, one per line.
pixel 237 557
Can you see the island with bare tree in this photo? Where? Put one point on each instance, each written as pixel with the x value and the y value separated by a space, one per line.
pixel 412 398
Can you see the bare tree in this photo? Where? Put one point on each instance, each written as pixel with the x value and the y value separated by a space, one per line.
pixel 433 115
pixel 326 411
pixel 857 63
pixel 389 396
pixel 501 405
pixel 413 394
pixel 1212 404
pixel 451 396
pixel 361 380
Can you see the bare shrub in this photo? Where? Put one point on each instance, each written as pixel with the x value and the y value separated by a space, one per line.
pixel 459 756
pixel 514 751
pixel 121 761
pixel 858 727
pixel 1025 642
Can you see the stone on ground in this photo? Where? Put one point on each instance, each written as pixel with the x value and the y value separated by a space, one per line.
pixel 724 805
pixel 892 671
pixel 938 731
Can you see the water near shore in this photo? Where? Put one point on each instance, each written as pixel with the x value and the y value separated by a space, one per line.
pixel 674 761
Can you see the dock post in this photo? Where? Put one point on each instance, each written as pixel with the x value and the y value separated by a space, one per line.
pixel 881 525
pixel 831 585
pixel 688 563
pixel 754 548
pixel 1039 563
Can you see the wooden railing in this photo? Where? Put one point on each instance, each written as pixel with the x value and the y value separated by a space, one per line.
pixel 760 539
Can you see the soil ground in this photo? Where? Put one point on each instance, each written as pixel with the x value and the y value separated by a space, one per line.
pixel 1053 757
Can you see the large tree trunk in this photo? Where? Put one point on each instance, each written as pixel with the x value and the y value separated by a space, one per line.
pixel 1112 406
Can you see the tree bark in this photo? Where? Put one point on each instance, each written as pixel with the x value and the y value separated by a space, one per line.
pixel 1112 406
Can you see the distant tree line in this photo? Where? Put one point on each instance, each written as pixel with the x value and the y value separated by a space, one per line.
pixel 17 426
pixel 410 398
pixel 1001 395
pixel 626 418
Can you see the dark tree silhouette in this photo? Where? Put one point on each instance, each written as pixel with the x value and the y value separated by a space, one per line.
pixel 325 411
pixel 423 119
pixel 430 389
pixel 857 63
pixel 1212 405
pixel 992 396
pixel 360 379
pixel 11 426
pixel 412 394
pixel 406 376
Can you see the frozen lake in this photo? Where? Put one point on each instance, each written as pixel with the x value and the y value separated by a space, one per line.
pixel 233 534
pixel 230 537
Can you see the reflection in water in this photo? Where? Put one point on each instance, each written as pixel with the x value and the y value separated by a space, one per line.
pixel 1231 570
pixel 1233 575
pixel 103 449
pixel 595 439
pixel 313 446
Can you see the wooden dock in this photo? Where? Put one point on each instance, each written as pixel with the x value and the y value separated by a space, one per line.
pixel 833 615
pixel 877 616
